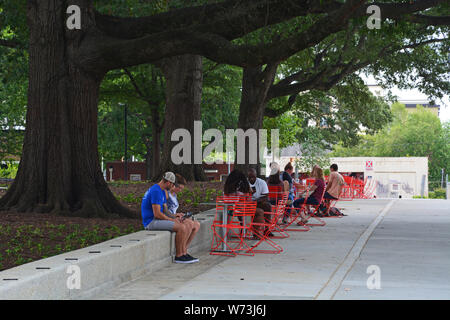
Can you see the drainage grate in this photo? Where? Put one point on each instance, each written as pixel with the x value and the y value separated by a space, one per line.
pixel 10 279
pixel 115 246
pixel 71 259
pixel 135 240
pixel 95 252
pixel 42 268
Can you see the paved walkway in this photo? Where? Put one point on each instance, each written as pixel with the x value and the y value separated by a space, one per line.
pixel 406 241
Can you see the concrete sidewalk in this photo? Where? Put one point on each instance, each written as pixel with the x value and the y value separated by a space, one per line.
pixel 409 240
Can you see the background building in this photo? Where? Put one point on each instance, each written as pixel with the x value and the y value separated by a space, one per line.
pixel 390 177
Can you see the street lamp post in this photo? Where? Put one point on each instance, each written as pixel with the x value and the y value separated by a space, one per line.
pixel 126 141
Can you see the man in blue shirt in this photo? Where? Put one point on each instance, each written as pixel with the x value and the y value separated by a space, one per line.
pixel 153 217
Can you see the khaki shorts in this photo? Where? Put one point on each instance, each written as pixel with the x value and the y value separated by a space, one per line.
pixel 157 224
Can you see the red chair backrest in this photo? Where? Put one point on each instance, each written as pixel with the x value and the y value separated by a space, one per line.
pixel 228 199
pixel 310 182
pixel 275 193
pixel 348 180
pixel 243 209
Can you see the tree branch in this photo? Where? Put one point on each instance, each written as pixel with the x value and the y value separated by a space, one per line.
pixel 212 38
pixel 225 18
pixel 327 78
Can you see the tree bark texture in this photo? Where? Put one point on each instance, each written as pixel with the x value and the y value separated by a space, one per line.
pixel 184 80
pixel 59 171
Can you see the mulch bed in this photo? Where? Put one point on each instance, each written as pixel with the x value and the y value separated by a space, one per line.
pixel 26 237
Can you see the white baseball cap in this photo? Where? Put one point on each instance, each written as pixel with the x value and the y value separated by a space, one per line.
pixel 274 168
pixel 169 176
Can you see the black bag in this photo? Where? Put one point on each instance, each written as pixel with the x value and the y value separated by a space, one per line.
pixel 334 212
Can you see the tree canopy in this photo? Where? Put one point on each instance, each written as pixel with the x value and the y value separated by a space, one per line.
pixel 411 134
pixel 318 44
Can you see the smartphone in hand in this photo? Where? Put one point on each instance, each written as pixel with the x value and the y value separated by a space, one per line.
pixel 187 215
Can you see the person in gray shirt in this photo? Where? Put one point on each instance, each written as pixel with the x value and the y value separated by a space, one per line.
pixel 172 205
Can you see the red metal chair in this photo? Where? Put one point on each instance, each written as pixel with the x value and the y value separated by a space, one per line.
pixel 269 225
pixel 358 188
pixel 275 194
pixel 294 216
pixel 280 215
pixel 310 182
pixel 313 214
pixel 347 193
pixel 329 203
pixel 228 237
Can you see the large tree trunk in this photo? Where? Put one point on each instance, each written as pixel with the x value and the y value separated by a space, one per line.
pixel 59 171
pixel 256 82
pixel 184 80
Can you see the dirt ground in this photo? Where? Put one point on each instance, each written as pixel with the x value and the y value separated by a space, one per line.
pixel 26 237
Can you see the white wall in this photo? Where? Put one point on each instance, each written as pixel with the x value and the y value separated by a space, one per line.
pixel 409 175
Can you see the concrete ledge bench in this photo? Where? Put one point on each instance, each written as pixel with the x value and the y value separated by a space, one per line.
pixel 99 267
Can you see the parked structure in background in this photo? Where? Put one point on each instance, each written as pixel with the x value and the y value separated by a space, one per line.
pixel 410 104
pixel 391 177
pixel 136 171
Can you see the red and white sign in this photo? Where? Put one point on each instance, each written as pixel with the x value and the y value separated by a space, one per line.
pixel 369 165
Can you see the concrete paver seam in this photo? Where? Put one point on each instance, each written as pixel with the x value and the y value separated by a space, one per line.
pixel 328 291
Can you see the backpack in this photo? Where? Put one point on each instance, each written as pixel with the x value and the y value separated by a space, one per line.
pixel 335 212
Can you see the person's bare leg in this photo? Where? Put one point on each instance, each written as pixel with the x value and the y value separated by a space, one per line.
pixel 259 218
pixel 194 226
pixel 180 239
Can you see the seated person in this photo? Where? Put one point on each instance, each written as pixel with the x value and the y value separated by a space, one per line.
pixel 274 180
pixel 171 207
pixel 259 192
pixel 335 184
pixel 287 176
pixel 153 217
pixel 236 184
pixel 316 192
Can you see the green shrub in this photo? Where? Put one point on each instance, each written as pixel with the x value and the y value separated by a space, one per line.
pixel 10 172
pixel 438 193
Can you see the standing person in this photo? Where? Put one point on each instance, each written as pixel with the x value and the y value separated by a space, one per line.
pixel 171 207
pixel 316 191
pixel 259 192
pixel 153 217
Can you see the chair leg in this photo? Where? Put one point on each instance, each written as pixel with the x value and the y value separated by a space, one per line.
pixel 239 247
pixel 320 223
pixel 264 238
pixel 294 217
